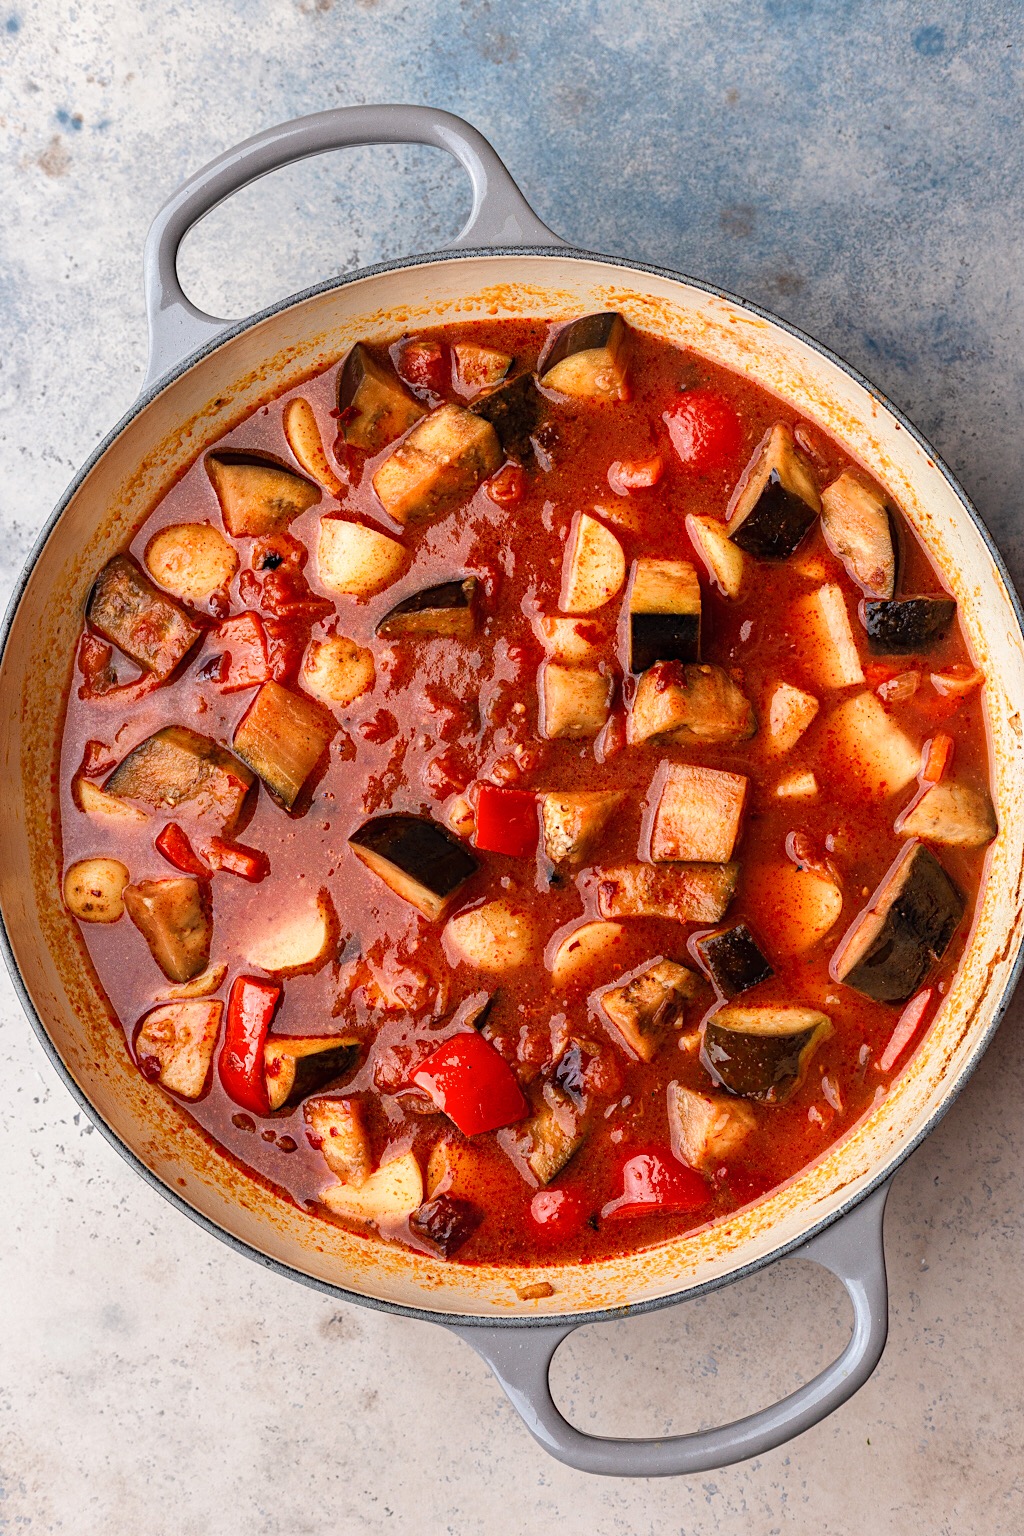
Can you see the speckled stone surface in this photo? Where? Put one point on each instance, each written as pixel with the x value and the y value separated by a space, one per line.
pixel 853 166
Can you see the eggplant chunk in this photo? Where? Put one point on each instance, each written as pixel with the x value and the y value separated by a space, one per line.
pixel 664 613
pixel 706 1128
pixel 448 609
pixel 296 942
pixel 776 501
pixel 441 462
pixel 385 1198
pixel 573 822
pixel 690 704
pixel 445 1223
pixel 685 893
pixel 478 368
pixel 335 1127
pixel 177 767
pixel 907 624
pixel 376 407
pixel 858 529
pixel 552 1135
pixel 297 1065
pixel 877 756
pixel 576 700
pixel 644 1008
pixel 175 1045
pixel 905 927
pixel 594 569
pixel 282 736
pixel 762 1053
pixel 698 814
pixel 512 410
pixel 725 561
pixel 175 919
pixel 418 859
pixel 257 495
pixel 148 626
pixel 588 358
pixel 733 959
pixel 950 813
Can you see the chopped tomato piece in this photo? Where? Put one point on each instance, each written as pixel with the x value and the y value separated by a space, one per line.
pixel 936 757
pixel 425 367
pixel 251 1004
pixel 654 1181
pixel 906 1028
pixel 236 859
pixel 506 821
pixel 507 486
pixel 467 1079
pixel 705 430
pixel 635 474
pixel 286 642
pixel 177 850
pixel 244 662
pixel 557 1214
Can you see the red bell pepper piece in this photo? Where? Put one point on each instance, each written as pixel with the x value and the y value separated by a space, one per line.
pixel 506 821
pixel 244 663
pixel 557 1214
pixel 236 859
pixel 705 430
pixel 653 1180
pixel 627 475
pixel 251 1004
pixel 472 1084
pixel 936 756
pixel 177 850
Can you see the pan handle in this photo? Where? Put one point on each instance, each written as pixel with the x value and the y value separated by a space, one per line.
pixel 500 216
pixel 521 1358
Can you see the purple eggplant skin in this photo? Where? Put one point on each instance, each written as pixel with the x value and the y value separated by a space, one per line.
pixel 583 335
pixel 733 959
pixel 901 626
pixel 420 848
pixel 777 523
pixel 924 910
pixel 513 410
pixel 753 1066
pixel 447 609
pixel 657 637
pixel 445 1223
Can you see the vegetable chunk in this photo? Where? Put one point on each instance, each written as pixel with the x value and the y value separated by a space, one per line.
pixel 495 937
pixel 297 1065
pixel 857 527
pixel 790 713
pixel 336 1127
pixel 595 567
pixel 385 1198
pixel 192 560
pixel 733 959
pixel 304 440
pixel 375 406
pixel 175 919
pixel 583 950
pixel 296 942
pixel 588 358
pixel 644 1008
pixel 909 624
pixel 664 613
pixel 698 703
pixel 357 561
pixel 573 822
pixel 686 893
pixel 878 756
pixel 551 1137
pixel 441 462
pixel 950 813
pixel 177 767
pixel 776 501
pixel 282 736
pixel 448 609
pixel 337 670
pixel 576 701
pixel 175 1045
pixel 257 495
pixel 94 890
pixel 725 561
pixel 823 638
pixel 148 626
pixel 706 1128
pixel 762 1053
pixel 418 859
pixel 698 814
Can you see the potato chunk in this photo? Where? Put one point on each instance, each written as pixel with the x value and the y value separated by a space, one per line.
pixel 569 641
pixel 790 712
pixel 595 567
pixel 175 1043
pixel 94 890
pixel 337 670
pixel 686 893
pixel 576 701
pixel 192 560
pixel 819 625
pixel 582 951
pixel 495 937
pixel 442 461
pixel 801 905
pixel 336 1128
pixel 877 756
pixel 357 561
pixel 725 561
pixel 304 440
pixel 295 942
pixel 97 803
pixel 386 1197
pixel 697 819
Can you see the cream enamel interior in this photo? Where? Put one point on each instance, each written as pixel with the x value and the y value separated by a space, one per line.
pixel 147 456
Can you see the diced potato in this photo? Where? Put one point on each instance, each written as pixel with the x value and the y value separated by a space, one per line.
pixel 698 814
pixel 357 561
pixel 819 625
pixel 576 701
pixel 200 986
pixel 192 560
pixel 294 942
pixel 950 813
pixel 304 440
pixel 256 495
pixel 800 906
pixel 798 785
pixel 877 756
pixel 387 1196
pixel 94 890
pixel 706 1128
pixel 179 1038
pixel 442 461
pixel 686 893
pixel 595 567
pixel 574 821
pixel 337 670
pixel 96 802
pixel 495 937
pixel 570 641
pixel 282 736
pixel 337 1129
pixel 584 951
pixel 725 561
pixel 790 712
pixel 698 703
pixel 644 1007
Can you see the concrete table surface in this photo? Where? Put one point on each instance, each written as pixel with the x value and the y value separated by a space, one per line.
pixel 856 168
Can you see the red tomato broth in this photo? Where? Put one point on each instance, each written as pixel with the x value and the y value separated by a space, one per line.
pixel 446 713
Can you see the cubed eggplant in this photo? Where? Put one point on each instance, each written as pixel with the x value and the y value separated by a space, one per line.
pixel 587 359
pixel 776 501
pixel 148 626
pixel 175 919
pixel 258 495
pixel 574 821
pixel 177 767
pixel 282 736
pixel 418 859
pixel 576 700
pixel 553 1134
pixel 904 929
pixel 337 1129
pixel 858 528
pixel 441 462
pixel 448 609
pixel 375 406
pixel 175 1042
pixel 513 410
pixel 298 1065
pixel 445 1223
pixel 644 1008
pixel 568 1075
pixel 907 624
pixel 691 705
pixel 762 1053
pixel 478 368
pixel 685 893
pixel 697 815
pixel 733 959
pixel 950 813
pixel 706 1128
pixel 664 613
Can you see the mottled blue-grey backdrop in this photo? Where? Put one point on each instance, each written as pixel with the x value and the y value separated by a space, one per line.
pixel 854 166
